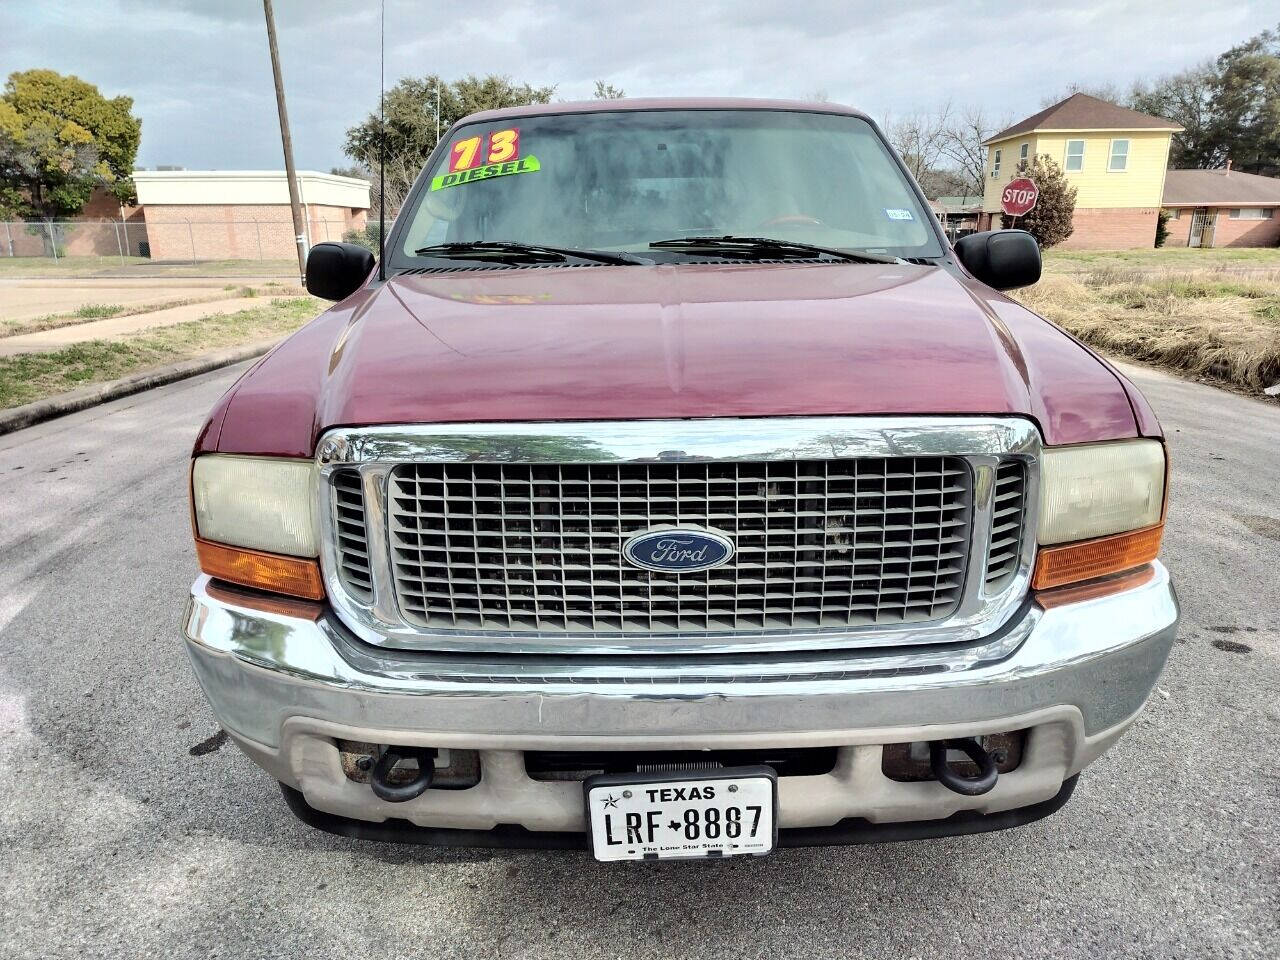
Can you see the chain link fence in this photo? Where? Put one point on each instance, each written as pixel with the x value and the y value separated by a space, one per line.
pixel 138 242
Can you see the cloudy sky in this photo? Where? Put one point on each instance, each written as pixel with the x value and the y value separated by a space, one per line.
pixel 199 73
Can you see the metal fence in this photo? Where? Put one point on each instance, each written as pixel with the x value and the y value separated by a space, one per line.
pixel 162 240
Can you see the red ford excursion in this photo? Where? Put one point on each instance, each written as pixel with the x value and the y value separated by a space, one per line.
pixel 672 488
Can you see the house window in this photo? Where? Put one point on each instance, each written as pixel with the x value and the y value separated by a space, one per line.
pixel 1022 154
pixel 1175 213
pixel 1119 155
pixel 1075 155
pixel 1251 213
pixel 995 166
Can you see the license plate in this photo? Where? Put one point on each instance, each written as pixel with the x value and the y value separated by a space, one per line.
pixel 663 816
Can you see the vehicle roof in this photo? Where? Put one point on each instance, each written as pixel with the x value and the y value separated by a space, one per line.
pixel 663 103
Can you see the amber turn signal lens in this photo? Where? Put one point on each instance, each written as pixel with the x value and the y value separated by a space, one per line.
pixel 1088 559
pixel 1089 590
pixel 263 571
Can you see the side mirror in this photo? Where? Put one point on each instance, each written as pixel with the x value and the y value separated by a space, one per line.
pixel 336 270
pixel 1002 259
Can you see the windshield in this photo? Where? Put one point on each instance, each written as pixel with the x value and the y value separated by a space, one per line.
pixel 619 181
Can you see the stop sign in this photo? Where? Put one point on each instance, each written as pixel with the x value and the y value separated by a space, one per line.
pixel 1019 197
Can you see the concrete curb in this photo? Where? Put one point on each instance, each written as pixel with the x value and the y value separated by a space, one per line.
pixel 41 410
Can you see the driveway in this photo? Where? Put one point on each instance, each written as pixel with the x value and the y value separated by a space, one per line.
pixel 128 827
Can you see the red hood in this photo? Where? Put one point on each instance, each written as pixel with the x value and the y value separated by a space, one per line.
pixel 629 342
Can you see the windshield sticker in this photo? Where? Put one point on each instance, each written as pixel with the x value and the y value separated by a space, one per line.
pixel 524 165
pixel 464 154
pixel 898 214
pixel 504 145
pixel 499 147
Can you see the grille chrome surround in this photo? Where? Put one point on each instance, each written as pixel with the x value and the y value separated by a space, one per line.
pixel 795 451
pixel 818 543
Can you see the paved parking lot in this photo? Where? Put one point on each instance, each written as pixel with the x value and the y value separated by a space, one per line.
pixel 127 828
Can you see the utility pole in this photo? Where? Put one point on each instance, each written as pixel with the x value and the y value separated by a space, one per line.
pixel 290 175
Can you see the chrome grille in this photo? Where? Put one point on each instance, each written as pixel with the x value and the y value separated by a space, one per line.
pixel 1008 510
pixel 353 536
pixel 820 543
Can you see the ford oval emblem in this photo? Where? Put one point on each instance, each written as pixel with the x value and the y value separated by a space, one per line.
pixel 678 550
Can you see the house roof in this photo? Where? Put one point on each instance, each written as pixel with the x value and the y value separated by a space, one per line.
pixel 1083 112
pixel 957 204
pixel 1216 188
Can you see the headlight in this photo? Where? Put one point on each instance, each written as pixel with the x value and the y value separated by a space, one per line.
pixel 262 503
pixel 1098 489
pixel 1104 503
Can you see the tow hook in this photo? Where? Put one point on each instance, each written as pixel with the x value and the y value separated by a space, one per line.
pixel 400 792
pixel 969 786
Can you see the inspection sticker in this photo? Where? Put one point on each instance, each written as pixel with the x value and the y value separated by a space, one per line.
pixel 489 170
pixel 893 214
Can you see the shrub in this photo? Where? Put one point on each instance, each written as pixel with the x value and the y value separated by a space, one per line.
pixel 1162 228
pixel 1050 219
pixel 366 237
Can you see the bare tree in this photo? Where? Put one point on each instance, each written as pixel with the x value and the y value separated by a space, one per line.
pixel 962 147
pixel 918 139
pixel 1103 91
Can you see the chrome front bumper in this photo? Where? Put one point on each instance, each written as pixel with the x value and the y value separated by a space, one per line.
pixel 1074 676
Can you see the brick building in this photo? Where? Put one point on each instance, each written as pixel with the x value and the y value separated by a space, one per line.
pixel 243 214
pixel 104 227
pixel 1115 158
pixel 1222 208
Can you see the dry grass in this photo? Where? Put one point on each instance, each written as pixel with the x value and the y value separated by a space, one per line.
pixel 1214 317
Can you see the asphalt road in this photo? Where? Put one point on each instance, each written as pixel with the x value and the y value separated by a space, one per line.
pixel 126 830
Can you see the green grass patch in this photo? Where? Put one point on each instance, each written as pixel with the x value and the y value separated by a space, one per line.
pixel 33 376
pixel 1269 311
pixel 98 311
pixel 1163 291
pixel 1170 257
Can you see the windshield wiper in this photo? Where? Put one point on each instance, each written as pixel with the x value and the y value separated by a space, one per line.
pixel 514 250
pixel 766 246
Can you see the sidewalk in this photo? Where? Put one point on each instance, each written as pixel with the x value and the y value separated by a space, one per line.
pixel 61 337
pixel 29 299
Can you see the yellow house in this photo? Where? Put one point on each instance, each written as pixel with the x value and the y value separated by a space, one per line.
pixel 1116 158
